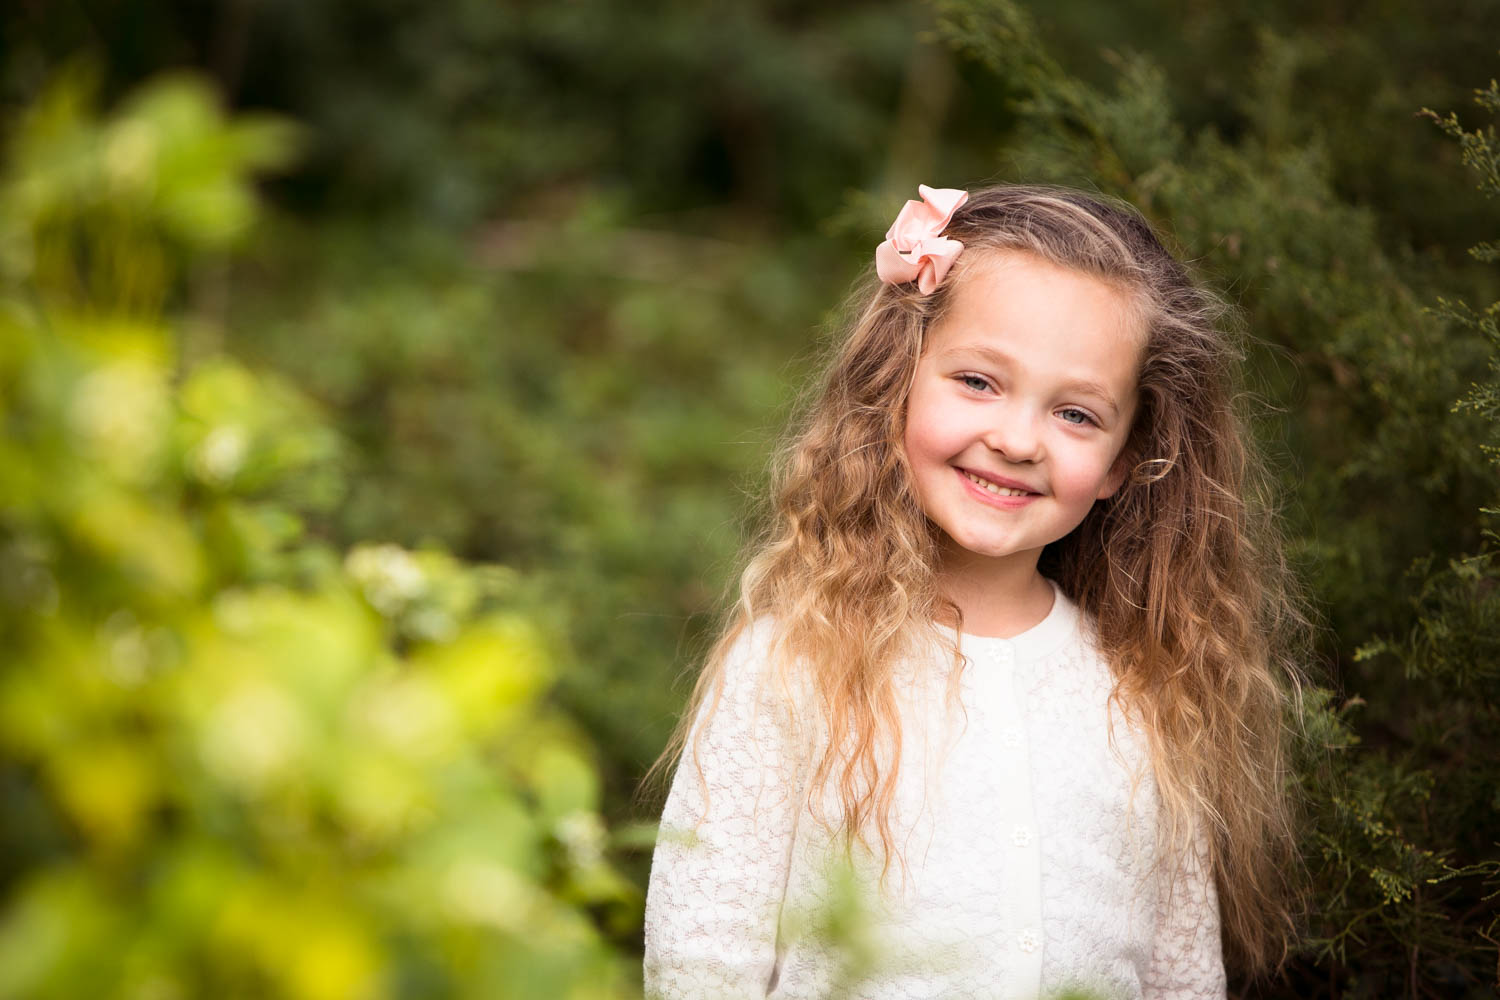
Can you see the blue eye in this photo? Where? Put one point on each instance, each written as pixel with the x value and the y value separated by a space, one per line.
pixel 974 382
pixel 1075 416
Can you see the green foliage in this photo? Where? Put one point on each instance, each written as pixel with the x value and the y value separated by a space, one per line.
pixel 234 761
pixel 452 112
pixel 581 398
pixel 1454 644
pixel 97 214
pixel 1481 154
pixel 538 306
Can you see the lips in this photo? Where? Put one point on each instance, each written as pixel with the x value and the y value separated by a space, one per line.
pixel 998 486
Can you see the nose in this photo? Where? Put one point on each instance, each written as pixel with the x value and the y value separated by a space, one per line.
pixel 1016 437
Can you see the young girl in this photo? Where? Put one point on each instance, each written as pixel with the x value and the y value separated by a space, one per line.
pixel 1015 648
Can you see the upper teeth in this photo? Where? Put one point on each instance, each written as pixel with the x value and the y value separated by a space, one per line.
pixel 1004 491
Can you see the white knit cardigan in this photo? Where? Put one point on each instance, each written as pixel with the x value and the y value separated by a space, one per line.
pixel 1028 862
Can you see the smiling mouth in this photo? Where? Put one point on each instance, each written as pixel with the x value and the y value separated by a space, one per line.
pixel 995 488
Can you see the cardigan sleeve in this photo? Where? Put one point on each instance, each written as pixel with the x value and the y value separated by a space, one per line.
pixel 1187 960
pixel 719 871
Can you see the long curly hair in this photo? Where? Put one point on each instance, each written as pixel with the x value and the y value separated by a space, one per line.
pixel 1181 570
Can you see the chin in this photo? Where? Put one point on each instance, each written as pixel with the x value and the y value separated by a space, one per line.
pixel 981 548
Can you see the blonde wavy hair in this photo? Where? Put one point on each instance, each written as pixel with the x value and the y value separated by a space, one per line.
pixel 1181 570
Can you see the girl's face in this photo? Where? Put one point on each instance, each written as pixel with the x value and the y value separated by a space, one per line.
pixel 1021 405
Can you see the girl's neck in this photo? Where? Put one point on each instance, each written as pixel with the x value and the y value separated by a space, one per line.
pixel 997 600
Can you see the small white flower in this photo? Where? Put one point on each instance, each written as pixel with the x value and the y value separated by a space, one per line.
pixel 390 576
pixel 434 624
pixel 1021 836
pixel 221 455
pixel 582 836
pixel 1029 941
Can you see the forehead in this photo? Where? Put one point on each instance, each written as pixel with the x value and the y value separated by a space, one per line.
pixel 1045 316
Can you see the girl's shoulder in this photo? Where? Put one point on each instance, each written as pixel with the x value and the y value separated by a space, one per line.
pixel 753 642
pixel 751 706
pixel 756 666
pixel 746 656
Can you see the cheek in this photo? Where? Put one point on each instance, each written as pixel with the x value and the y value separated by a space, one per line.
pixel 914 439
pixel 925 448
pixel 1086 475
pixel 929 433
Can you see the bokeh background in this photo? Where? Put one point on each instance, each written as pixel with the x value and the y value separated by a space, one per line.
pixel 386 387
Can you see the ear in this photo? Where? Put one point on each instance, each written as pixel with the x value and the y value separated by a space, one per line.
pixel 1116 477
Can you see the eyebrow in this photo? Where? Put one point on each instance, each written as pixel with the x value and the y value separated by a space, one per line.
pixel 1000 360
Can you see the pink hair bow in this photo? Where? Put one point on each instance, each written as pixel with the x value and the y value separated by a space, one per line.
pixel 914 247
